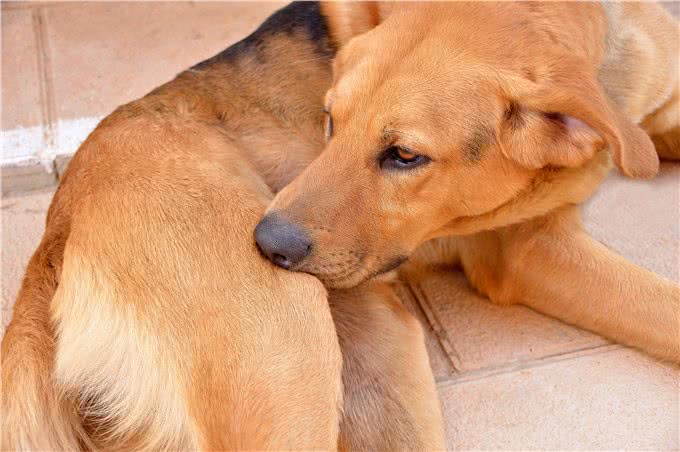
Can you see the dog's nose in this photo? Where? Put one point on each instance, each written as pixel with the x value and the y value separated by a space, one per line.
pixel 283 242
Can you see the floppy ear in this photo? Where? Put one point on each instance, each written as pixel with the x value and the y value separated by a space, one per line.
pixel 347 19
pixel 564 119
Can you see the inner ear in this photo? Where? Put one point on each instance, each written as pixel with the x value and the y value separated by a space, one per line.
pixel 349 19
pixel 536 139
pixel 563 117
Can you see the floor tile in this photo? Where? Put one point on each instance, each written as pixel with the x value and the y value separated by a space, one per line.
pixel 61 163
pixel 23 222
pixel 479 335
pixel 106 54
pixel 30 175
pixel 673 7
pixel 20 73
pixel 618 400
pixel 640 219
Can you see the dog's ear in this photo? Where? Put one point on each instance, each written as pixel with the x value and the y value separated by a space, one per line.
pixel 563 119
pixel 349 19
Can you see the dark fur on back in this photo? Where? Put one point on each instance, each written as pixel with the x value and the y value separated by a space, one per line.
pixel 295 17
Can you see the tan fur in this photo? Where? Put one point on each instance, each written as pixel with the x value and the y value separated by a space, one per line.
pixel 519 107
pixel 640 70
pixel 148 320
pixel 162 342
pixel 382 342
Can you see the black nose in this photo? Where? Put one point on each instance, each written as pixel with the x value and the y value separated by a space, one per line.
pixel 283 242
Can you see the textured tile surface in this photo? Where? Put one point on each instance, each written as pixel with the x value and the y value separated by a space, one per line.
pixel 640 219
pixel 130 48
pixel 26 177
pixel 482 335
pixel 20 74
pixel 616 400
pixel 23 222
pixel 23 137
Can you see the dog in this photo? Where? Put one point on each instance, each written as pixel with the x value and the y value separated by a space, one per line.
pixel 468 133
pixel 148 319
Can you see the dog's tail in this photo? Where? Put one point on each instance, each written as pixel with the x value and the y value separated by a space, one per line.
pixel 34 415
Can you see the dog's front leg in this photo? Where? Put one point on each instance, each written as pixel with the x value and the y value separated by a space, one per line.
pixel 552 265
pixel 390 398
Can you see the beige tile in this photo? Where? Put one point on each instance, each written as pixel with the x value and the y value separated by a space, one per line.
pixel 23 222
pixel 640 219
pixel 61 163
pixel 618 400
pixel 16 179
pixel 20 75
pixel 106 54
pixel 24 4
pixel 673 7
pixel 480 335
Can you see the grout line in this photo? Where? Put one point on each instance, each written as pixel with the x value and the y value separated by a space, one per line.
pixel 48 103
pixel 18 5
pixel 427 324
pixel 517 366
pixel 42 87
pixel 440 333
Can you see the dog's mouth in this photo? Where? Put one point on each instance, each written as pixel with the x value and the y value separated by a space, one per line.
pixel 355 269
pixel 316 250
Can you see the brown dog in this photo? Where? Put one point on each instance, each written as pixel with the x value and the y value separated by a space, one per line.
pixel 147 317
pixel 487 124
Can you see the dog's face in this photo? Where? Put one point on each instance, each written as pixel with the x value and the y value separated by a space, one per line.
pixel 426 125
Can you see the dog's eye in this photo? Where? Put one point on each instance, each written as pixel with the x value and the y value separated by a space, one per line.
pixel 329 124
pixel 397 157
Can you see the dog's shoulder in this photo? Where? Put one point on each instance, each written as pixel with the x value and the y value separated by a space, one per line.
pixel 640 56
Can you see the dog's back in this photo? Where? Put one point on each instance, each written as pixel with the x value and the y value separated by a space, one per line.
pixel 149 279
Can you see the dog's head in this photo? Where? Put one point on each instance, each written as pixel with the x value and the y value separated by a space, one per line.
pixel 438 112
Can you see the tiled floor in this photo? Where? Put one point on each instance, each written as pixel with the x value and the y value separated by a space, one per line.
pixel 509 378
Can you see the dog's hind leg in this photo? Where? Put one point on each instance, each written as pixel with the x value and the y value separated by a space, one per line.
pixel 389 392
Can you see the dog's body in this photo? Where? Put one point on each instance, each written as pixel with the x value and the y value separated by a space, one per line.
pixel 484 125
pixel 148 319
